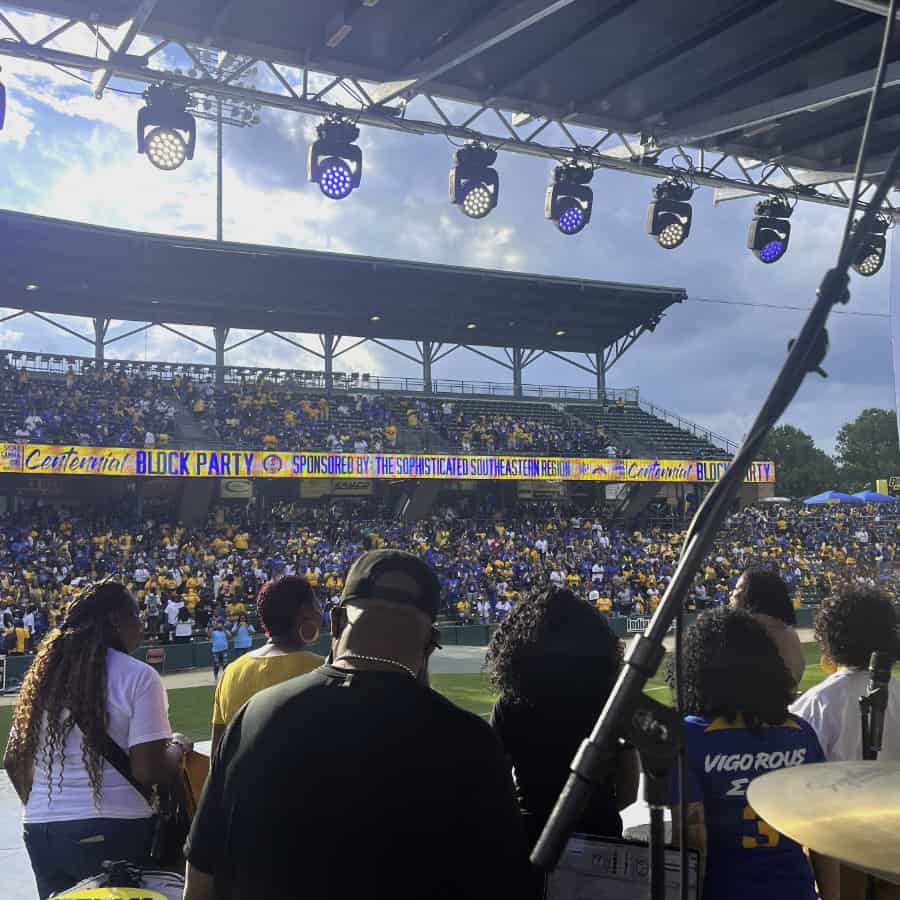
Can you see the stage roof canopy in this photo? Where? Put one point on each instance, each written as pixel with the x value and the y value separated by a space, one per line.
pixel 774 80
pixel 55 266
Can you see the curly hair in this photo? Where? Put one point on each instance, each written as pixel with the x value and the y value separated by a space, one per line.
pixel 550 644
pixel 854 622
pixel 764 591
pixel 279 601
pixel 67 684
pixel 731 668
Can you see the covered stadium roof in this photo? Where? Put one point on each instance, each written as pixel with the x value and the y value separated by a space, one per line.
pixel 55 266
pixel 780 83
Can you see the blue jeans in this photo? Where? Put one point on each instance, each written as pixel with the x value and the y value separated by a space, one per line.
pixel 64 853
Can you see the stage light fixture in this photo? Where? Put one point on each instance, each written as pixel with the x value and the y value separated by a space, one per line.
pixel 770 232
pixel 334 161
pixel 474 185
pixel 870 257
pixel 569 199
pixel 174 132
pixel 669 214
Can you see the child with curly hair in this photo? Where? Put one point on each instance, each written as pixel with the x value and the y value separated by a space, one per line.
pixel 851 625
pixel 736 691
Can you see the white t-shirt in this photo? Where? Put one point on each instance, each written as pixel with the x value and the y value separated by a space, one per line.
pixel 138 713
pixel 832 708
pixel 172 610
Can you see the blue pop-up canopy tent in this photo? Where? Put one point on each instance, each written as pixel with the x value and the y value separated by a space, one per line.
pixel 831 497
pixel 874 497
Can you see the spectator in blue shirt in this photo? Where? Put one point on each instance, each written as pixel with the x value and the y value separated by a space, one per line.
pixel 219 637
pixel 243 632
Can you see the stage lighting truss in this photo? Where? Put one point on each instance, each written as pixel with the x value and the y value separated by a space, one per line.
pixel 770 231
pixel 474 185
pixel 669 214
pixel 334 161
pixel 870 257
pixel 173 131
pixel 569 199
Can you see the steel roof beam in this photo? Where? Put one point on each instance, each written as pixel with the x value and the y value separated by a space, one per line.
pixel 872 6
pixel 480 37
pixel 811 100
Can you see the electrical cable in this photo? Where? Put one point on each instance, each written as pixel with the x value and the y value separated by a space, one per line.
pixel 783 308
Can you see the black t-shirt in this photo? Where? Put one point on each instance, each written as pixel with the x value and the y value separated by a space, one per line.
pixel 541 744
pixel 341 785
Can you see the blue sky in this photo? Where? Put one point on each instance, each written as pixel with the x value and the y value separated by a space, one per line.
pixel 68 155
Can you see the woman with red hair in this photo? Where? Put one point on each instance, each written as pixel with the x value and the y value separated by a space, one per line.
pixel 291 618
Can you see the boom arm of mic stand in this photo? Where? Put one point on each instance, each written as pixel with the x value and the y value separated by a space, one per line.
pixel 591 764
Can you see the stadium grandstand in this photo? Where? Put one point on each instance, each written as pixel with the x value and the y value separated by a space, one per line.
pixel 56 399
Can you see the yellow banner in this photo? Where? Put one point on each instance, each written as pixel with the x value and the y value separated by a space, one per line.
pixel 45 459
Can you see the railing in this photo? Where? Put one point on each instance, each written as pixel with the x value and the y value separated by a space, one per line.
pixel 59 364
pixel 686 425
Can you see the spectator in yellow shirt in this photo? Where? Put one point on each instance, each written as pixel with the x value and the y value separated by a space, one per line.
pixel 291 617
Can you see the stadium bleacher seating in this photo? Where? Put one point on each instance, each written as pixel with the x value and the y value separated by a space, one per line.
pixel 292 411
pixel 645 432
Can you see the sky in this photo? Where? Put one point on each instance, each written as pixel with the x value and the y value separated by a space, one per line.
pixel 70 156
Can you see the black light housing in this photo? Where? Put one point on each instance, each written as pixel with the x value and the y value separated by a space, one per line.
pixel 474 185
pixel 669 215
pixel 870 257
pixel 334 162
pixel 770 232
pixel 569 199
pixel 174 131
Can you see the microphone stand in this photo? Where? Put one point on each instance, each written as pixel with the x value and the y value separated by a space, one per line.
pixel 872 709
pixel 626 702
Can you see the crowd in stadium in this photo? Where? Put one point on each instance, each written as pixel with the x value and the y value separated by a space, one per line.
pixel 94 408
pixel 485 563
pixel 120 408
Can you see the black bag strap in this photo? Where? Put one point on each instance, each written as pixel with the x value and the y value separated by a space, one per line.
pixel 118 759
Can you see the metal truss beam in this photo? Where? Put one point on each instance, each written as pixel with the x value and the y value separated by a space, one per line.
pixel 872 6
pixel 370 109
pixel 138 20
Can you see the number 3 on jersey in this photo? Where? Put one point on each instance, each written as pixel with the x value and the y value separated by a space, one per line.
pixel 764 835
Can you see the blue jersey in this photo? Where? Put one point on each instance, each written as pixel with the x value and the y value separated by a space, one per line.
pixel 747 859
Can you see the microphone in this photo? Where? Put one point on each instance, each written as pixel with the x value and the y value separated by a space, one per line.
pixel 880 664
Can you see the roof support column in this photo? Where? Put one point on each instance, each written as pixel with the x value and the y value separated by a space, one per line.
pixel 329 345
pixel 427 360
pixel 101 326
pixel 517 367
pixel 600 365
pixel 220 332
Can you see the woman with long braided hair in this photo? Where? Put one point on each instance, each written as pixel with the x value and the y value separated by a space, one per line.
pixel 83 690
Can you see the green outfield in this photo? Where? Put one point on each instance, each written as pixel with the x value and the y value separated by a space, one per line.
pixel 190 708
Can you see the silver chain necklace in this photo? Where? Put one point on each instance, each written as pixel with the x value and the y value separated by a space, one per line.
pixel 378 659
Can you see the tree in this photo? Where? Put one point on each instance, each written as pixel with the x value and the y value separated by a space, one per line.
pixel 867 449
pixel 801 468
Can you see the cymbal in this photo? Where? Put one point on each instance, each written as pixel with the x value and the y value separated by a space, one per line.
pixel 847 810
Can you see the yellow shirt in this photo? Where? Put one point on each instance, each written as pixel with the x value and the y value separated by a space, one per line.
pixel 250 674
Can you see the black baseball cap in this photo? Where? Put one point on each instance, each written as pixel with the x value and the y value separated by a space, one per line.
pixel 368 580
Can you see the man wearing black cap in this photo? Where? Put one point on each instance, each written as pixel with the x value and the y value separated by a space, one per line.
pixel 357 780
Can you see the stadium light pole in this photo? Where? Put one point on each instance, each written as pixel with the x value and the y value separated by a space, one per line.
pixel 219 170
